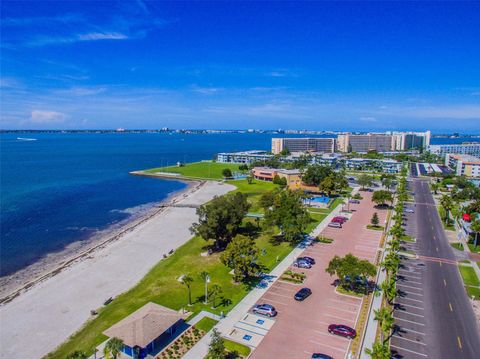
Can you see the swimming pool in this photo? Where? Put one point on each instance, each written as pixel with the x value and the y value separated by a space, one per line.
pixel 322 199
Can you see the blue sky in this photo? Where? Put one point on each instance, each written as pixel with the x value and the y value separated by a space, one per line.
pixel 315 65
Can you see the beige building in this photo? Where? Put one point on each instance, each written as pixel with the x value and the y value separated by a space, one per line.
pixel 300 144
pixel 463 165
pixel 382 142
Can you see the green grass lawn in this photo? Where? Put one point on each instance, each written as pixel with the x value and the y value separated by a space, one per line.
pixel 161 285
pixel 458 246
pixel 469 276
pixel 406 238
pixel 473 249
pixel 448 226
pixel 206 324
pixel 473 292
pixel 241 349
pixel 206 170
pixel 375 228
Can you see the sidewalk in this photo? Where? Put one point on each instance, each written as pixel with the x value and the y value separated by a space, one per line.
pixel 225 326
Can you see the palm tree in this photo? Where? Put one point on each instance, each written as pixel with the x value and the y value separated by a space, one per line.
pixel 214 292
pixel 447 203
pixel 113 347
pixel 77 355
pixel 435 186
pixel 475 226
pixel 389 288
pixel 187 281
pixel 206 278
pixel 385 320
pixel 379 350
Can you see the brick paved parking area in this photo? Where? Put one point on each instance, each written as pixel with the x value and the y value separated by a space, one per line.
pixel 300 328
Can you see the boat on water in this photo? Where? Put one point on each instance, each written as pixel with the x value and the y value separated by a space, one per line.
pixel 26 139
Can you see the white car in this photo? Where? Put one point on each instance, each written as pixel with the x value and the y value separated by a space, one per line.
pixel 409 210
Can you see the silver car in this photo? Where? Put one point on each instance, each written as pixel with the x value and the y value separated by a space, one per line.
pixel 265 309
pixel 335 225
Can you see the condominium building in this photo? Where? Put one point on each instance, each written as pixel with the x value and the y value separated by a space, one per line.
pixel 293 177
pixel 314 144
pixel 468 148
pixel 363 143
pixel 243 157
pixel 382 142
pixel 374 165
pixel 463 165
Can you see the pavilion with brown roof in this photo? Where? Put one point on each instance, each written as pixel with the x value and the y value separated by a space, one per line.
pixel 143 331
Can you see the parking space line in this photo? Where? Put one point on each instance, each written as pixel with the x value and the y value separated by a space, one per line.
pixel 408 350
pixel 408 286
pixel 408 330
pixel 408 305
pixel 343 310
pixel 415 300
pixel 339 317
pixel 329 346
pixel 275 301
pixel 280 295
pixel 409 321
pixel 410 340
pixel 417 315
pixel 344 302
pixel 411 281
pixel 411 293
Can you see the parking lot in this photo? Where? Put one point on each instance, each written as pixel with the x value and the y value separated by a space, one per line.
pixel 300 328
pixel 408 340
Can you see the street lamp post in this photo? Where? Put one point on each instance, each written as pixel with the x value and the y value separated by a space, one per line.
pixel 207 280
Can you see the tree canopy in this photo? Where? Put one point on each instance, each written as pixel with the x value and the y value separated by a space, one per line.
pixel 216 348
pixel 241 255
pixel 365 180
pixel 227 173
pixel 221 218
pixel 381 197
pixel 315 174
pixel 350 266
pixel 288 213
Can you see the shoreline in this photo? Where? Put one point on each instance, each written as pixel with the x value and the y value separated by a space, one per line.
pixel 13 285
pixel 60 304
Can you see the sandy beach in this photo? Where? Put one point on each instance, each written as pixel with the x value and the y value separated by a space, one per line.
pixel 42 317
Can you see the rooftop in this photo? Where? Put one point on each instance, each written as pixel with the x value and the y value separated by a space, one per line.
pixel 467 159
pixel 144 325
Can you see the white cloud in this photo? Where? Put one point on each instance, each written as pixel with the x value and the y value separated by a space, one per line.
pixel 93 36
pixel 46 117
pixel 205 90
pixel 82 90
pixel 368 119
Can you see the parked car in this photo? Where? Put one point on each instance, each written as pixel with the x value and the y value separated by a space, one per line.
pixel 408 210
pixel 321 356
pixel 302 264
pixel 302 294
pixel 265 309
pixel 307 259
pixel 344 218
pixel 354 201
pixel 335 225
pixel 339 219
pixel 342 330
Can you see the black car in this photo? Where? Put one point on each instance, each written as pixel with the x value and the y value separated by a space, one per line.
pixel 321 356
pixel 307 259
pixel 302 294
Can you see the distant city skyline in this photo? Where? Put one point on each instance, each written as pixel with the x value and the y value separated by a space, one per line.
pixel 366 66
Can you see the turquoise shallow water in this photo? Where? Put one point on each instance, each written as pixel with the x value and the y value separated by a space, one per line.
pixel 63 188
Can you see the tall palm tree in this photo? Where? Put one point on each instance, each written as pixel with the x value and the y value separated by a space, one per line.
pixel 187 281
pixel 385 320
pixel 447 203
pixel 113 348
pixel 214 292
pixel 475 226
pixel 77 355
pixel 435 186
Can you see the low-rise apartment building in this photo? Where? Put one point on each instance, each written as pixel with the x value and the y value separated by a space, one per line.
pixel 469 148
pixel 374 165
pixel 463 165
pixel 243 157
pixel 293 177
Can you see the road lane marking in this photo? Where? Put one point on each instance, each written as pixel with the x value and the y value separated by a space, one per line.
pixel 410 340
pixel 409 321
pixel 459 342
pixel 408 350
pixel 450 305
pixel 436 249
pixel 440 263
pixel 444 282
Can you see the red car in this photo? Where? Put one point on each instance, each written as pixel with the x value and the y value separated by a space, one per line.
pixel 338 220
pixel 342 330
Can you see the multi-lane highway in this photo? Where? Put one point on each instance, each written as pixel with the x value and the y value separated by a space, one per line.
pixel 435 317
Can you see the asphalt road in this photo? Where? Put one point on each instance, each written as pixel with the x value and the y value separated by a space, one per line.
pixel 449 324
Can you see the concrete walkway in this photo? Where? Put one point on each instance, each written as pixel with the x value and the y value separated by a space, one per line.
pixel 226 325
